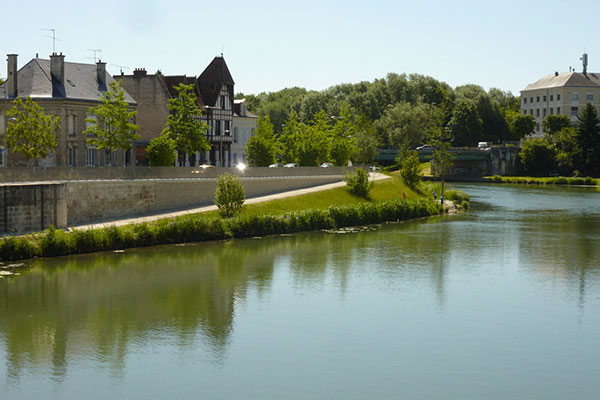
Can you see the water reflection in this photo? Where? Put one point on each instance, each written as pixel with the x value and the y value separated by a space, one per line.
pixel 104 307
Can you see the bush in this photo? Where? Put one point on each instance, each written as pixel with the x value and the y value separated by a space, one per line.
pixel 411 170
pixel 576 181
pixel 161 151
pixel 589 181
pixel 560 181
pixel 54 243
pixel 229 196
pixel 457 196
pixel 496 179
pixel 358 183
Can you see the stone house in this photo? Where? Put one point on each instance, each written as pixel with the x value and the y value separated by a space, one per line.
pixel 67 90
pixel 244 124
pixel 214 89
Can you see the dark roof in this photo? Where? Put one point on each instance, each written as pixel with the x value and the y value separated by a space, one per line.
pixel 81 82
pixel 212 79
pixel 566 79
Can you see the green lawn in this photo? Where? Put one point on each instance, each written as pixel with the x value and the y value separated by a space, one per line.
pixel 383 190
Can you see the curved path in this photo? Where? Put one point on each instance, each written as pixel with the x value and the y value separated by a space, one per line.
pixel 133 220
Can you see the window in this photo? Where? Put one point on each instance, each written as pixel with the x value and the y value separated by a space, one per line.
pixel 537 112
pixel 243 135
pixel 589 98
pixel 89 124
pixel 551 110
pixel 544 98
pixel 574 97
pixel 71 156
pixel 530 112
pixel 70 127
pixel 537 99
pixel 558 97
pixel 218 127
pixel 574 111
pixel 551 97
pixel 2 155
pixel 544 113
pixel 537 127
pixel 235 136
pixel 558 110
pixel 524 100
pixel 91 157
pixel 227 131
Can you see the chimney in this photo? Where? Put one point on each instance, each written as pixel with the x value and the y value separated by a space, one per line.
pixel 101 73
pixel 57 71
pixel 11 77
pixel 140 72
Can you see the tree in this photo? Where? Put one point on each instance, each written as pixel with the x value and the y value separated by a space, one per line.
pixel 183 124
pixel 229 195
pixel 112 128
pixel 565 143
pixel 442 159
pixel 366 140
pixel 343 142
pixel 31 132
pixel 466 126
pixel 407 126
pixel 588 141
pixel 358 183
pixel 555 123
pixel 262 147
pixel 161 151
pixel 519 125
pixel 289 138
pixel 538 157
pixel 314 141
pixel 411 170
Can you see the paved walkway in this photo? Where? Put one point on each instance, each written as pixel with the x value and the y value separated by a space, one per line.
pixel 134 220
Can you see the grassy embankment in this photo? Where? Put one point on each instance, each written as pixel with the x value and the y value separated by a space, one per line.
pixel 529 180
pixel 330 209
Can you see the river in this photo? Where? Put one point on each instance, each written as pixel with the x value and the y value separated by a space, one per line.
pixel 502 302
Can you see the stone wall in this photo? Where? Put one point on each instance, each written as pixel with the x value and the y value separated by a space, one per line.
pixel 32 207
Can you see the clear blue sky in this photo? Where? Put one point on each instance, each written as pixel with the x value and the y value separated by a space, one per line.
pixel 270 45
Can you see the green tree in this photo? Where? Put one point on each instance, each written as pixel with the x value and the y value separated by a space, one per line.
pixel 442 158
pixel 555 123
pixel 407 126
pixel 565 143
pixel 358 183
pixel 588 140
pixel 410 170
pixel 290 137
pixel 112 128
pixel 343 141
pixel 314 141
pixel 466 126
pixel 366 140
pixel 183 123
pixel 538 157
pixel 262 147
pixel 229 195
pixel 31 132
pixel 161 151
pixel 519 125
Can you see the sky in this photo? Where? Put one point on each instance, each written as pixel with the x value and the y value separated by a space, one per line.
pixel 315 44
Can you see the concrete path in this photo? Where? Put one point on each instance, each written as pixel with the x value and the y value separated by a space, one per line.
pixel 375 176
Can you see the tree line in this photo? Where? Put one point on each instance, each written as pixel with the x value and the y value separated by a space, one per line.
pixel 405 111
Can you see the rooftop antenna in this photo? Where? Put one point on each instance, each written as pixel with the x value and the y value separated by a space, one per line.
pixel 54 39
pixel 120 67
pixel 584 60
pixel 95 52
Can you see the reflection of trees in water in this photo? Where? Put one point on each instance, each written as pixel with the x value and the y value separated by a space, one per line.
pixel 100 305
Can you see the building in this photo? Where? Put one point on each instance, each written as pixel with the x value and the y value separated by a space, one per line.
pixel 244 124
pixel 561 94
pixel 67 90
pixel 214 89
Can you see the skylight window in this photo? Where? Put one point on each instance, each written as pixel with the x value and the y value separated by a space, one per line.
pixel 71 82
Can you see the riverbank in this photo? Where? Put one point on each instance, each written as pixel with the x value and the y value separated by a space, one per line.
pixel 559 180
pixel 284 216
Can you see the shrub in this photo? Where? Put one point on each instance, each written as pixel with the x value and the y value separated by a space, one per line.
pixel 161 151
pixel 17 248
pixel 229 196
pixel 358 183
pixel 560 181
pixel 457 196
pixel 589 181
pixel 411 170
pixel 496 179
pixel 54 243
pixel 576 181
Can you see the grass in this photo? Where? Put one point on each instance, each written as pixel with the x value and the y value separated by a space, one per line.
pixel 330 209
pixel 530 180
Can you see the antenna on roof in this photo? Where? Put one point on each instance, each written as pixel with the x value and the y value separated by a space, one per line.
pixel 95 52
pixel 54 39
pixel 584 59
pixel 120 67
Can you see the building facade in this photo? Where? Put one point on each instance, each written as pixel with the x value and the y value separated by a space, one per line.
pixel 214 89
pixel 67 90
pixel 564 93
pixel 244 124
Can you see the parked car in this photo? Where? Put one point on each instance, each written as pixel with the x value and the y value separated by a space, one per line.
pixel 425 147
pixel 483 145
pixel 276 165
pixel 326 165
pixel 290 165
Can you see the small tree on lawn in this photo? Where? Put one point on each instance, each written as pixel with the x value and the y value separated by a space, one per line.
pixel 183 124
pixel 112 128
pixel 161 152
pixel 358 183
pixel 31 132
pixel 229 196
pixel 411 170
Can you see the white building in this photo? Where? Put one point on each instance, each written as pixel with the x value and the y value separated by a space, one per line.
pixel 244 124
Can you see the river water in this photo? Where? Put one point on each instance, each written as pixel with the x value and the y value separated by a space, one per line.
pixel 502 302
